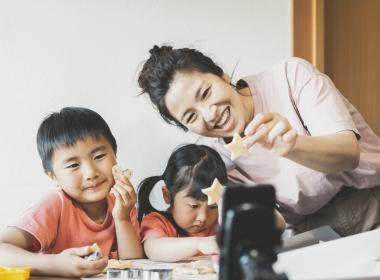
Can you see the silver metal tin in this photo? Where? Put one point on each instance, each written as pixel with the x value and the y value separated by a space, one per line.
pixel 124 274
pixel 157 274
pixel 114 274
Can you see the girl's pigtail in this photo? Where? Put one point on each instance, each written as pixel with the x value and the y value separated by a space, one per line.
pixel 144 189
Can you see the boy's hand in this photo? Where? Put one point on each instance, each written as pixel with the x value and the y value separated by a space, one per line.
pixel 70 263
pixel 125 199
pixel 208 245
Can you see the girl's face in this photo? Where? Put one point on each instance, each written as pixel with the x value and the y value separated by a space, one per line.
pixel 208 105
pixel 84 170
pixel 193 215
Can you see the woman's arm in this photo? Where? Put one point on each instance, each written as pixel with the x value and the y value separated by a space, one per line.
pixel 179 248
pixel 329 153
pixel 13 252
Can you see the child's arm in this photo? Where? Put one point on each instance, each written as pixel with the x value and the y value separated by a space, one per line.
pixel 13 252
pixel 128 243
pixel 179 248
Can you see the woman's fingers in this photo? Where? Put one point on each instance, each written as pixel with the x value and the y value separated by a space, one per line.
pixel 279 129
pixel 272 131
pixel 257 122
pixel 290 136
pixel 260 135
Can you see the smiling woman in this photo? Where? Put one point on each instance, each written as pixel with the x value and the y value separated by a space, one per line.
pixel 303 136
pixel 206 104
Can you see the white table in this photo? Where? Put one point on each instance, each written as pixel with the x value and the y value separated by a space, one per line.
pixel 353 257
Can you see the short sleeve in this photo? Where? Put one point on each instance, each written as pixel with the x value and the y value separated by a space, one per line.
pixel 42 220
pixel 319 102
pixel 155 225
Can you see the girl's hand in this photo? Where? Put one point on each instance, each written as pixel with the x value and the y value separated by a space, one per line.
pixel 70 263
pixel 125 199
pixel 272 131
pixel 208 245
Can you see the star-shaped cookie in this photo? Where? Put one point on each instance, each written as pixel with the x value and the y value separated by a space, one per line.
pixel 214 192
pixel 118 172
pixel 236 147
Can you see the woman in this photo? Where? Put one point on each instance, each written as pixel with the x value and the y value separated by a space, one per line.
pixel 303 136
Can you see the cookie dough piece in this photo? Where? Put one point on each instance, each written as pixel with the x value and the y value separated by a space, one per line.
pixel 185 270
pixel 96 253
pixel 195 268
pixel 236 147
pixel 203 266
pixel 214 192
pixel 118 172
pixel 112 263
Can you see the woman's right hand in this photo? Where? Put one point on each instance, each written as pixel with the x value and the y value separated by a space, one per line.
pixel 207 245
pixel 70 263
pixel 272 131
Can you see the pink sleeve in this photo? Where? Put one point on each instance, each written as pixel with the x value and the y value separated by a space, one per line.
pixel 41 221
pixel 318 101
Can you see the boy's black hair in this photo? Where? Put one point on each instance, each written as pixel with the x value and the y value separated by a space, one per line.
pixel 159 70
pixel 190 166
pixel 66 127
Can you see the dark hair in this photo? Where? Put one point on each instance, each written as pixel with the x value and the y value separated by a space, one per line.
pixel 66 127
pixel 191 166
pixel 159 70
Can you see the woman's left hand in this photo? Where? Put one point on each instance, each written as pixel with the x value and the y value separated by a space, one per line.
pixel 272 131
pixel 125 199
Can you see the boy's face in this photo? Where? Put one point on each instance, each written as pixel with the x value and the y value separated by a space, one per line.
pixel 84 170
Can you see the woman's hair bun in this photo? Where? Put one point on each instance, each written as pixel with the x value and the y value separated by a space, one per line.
pixel 156 50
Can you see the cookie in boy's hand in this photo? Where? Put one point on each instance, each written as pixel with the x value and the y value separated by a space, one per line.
pixel 96 253
pixel 118 172
pixel 237 147
pixel 214 192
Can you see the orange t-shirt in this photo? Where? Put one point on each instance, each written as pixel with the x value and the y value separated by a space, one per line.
pixel 157 225
pixel 58 223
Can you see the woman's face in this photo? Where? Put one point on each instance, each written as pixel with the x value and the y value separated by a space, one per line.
pixel 207 104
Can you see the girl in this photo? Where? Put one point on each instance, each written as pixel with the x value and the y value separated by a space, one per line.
pixel 187 227
pixel 314 146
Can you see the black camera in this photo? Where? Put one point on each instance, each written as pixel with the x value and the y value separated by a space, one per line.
pixel 248 237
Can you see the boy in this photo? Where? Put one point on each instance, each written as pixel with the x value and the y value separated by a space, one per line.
pixel 78 151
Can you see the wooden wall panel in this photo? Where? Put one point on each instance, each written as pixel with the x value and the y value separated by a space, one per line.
pixel 352 53
pixel 342 39
pixel 308 31
pixel 302 29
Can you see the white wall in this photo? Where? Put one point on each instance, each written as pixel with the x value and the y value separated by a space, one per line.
pixel 56 53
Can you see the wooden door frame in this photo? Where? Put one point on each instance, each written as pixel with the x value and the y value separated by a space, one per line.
pixel 308 31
